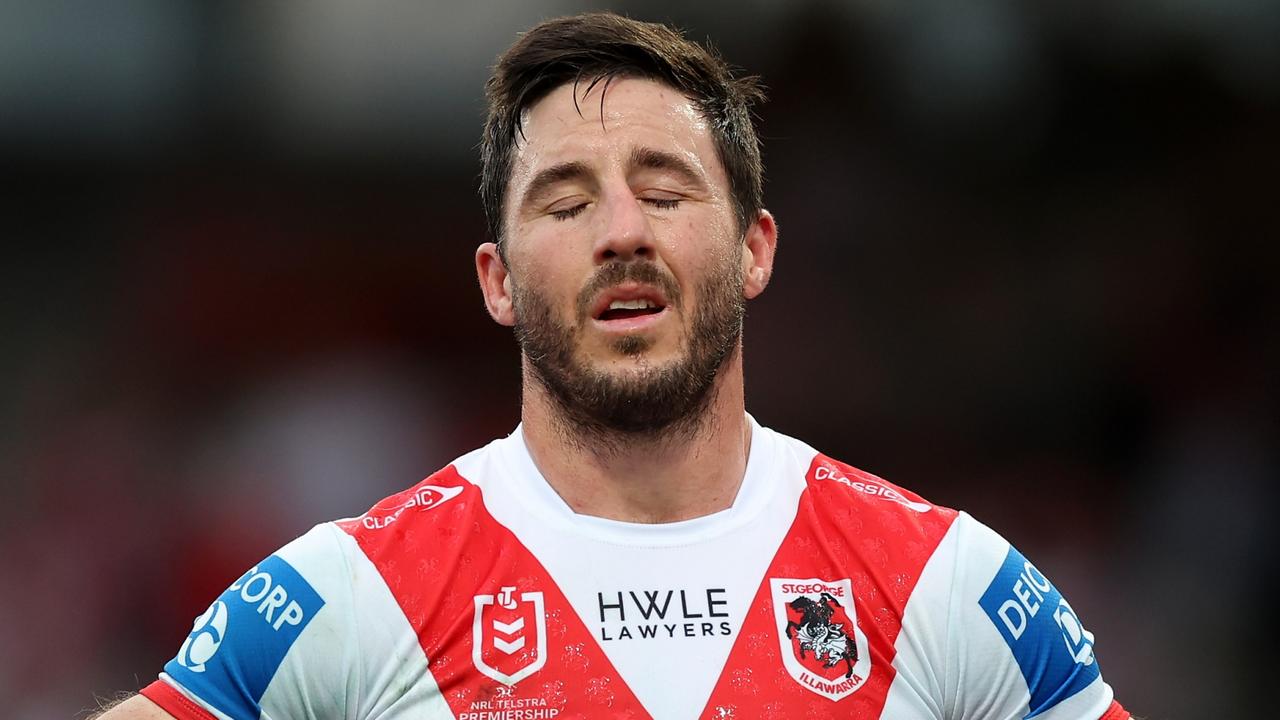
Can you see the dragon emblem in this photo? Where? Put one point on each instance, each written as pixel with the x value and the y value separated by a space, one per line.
pixel 817 634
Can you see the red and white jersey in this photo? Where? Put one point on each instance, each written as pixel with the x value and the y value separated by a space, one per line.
pixel 823 592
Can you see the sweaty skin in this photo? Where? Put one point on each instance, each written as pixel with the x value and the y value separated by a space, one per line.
pixel 633 179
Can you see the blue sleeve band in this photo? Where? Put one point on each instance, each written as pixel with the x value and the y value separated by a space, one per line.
pixel 236 646
pixel 1052 649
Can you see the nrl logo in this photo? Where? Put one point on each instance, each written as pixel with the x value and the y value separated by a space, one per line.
pixel 822 647
pixel 509 638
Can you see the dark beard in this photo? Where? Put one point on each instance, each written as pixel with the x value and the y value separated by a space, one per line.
pixel 655 402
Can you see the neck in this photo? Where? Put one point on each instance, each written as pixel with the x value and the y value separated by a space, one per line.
pixel 691 471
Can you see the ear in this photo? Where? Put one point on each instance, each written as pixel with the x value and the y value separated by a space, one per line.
pixel 495 283
pixel 758 248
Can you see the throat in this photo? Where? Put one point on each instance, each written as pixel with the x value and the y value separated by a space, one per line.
pixel 646 481
pixel 640 472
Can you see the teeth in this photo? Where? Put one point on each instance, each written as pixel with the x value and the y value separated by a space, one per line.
pixel 631 305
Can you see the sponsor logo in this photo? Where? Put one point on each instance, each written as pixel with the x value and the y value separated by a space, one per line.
pixel 269 598
pixel 509 637
pixel 502 706
pixel 426 496
pixel 1051 646
pixel 235 647
pixel 869 487
pixel 1079 641
pixel 822 647
pixel 205 638
pixel 648 614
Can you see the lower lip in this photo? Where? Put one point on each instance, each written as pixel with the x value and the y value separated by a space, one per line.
pixel 631 324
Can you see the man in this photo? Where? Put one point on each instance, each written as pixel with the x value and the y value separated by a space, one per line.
pixel 639 546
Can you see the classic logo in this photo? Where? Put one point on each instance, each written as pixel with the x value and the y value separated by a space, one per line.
pixel 869 487
pixel 205 638
pixel 509 638
pixel 822 647
pixel 425 497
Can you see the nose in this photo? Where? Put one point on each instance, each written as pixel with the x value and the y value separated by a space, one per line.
pixel 626 233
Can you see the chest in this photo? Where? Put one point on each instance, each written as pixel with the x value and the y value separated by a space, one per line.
pixel 788 616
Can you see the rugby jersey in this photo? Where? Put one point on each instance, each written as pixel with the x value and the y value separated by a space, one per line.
pixel 478 594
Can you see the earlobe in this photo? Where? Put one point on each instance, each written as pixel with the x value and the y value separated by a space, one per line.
pixel 758 248
pixel 495 284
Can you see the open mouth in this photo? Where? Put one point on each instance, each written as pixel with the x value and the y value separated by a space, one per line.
pixel 627 309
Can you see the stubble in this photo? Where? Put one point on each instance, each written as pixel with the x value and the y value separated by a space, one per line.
pixel 606 411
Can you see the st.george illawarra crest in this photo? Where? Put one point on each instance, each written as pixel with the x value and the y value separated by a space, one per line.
pixel 822 647
pixel 509 636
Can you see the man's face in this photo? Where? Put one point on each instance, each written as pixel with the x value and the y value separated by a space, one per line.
pixel 626 268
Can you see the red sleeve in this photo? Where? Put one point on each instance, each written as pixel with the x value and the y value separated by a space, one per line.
pixel 1115 712
pixel 178 705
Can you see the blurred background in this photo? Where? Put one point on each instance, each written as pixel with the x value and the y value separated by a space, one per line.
pixel 1028 268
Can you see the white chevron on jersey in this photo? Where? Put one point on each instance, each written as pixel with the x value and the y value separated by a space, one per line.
pixel 480 595
pixel 670 567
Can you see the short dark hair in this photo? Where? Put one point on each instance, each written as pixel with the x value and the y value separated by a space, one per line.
pixel 603 46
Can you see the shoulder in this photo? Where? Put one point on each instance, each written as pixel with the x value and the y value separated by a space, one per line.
pixel 1013 628
pixel 437 505
pixel 433 529
pixel 846 499
pixel 1012 610
pixel 982 627
pixel 990 633
pixel 242 654
pixel 835 479
pixel 431 493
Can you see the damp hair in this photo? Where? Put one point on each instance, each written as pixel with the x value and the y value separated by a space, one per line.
pixel 598 48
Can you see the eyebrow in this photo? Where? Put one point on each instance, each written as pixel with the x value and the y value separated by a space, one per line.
pixel 641 157
pixel 558 173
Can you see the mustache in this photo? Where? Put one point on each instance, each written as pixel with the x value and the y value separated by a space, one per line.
pixel 616 273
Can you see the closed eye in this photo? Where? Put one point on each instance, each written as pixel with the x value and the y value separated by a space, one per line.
pixel 568 212
pixel 664 203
